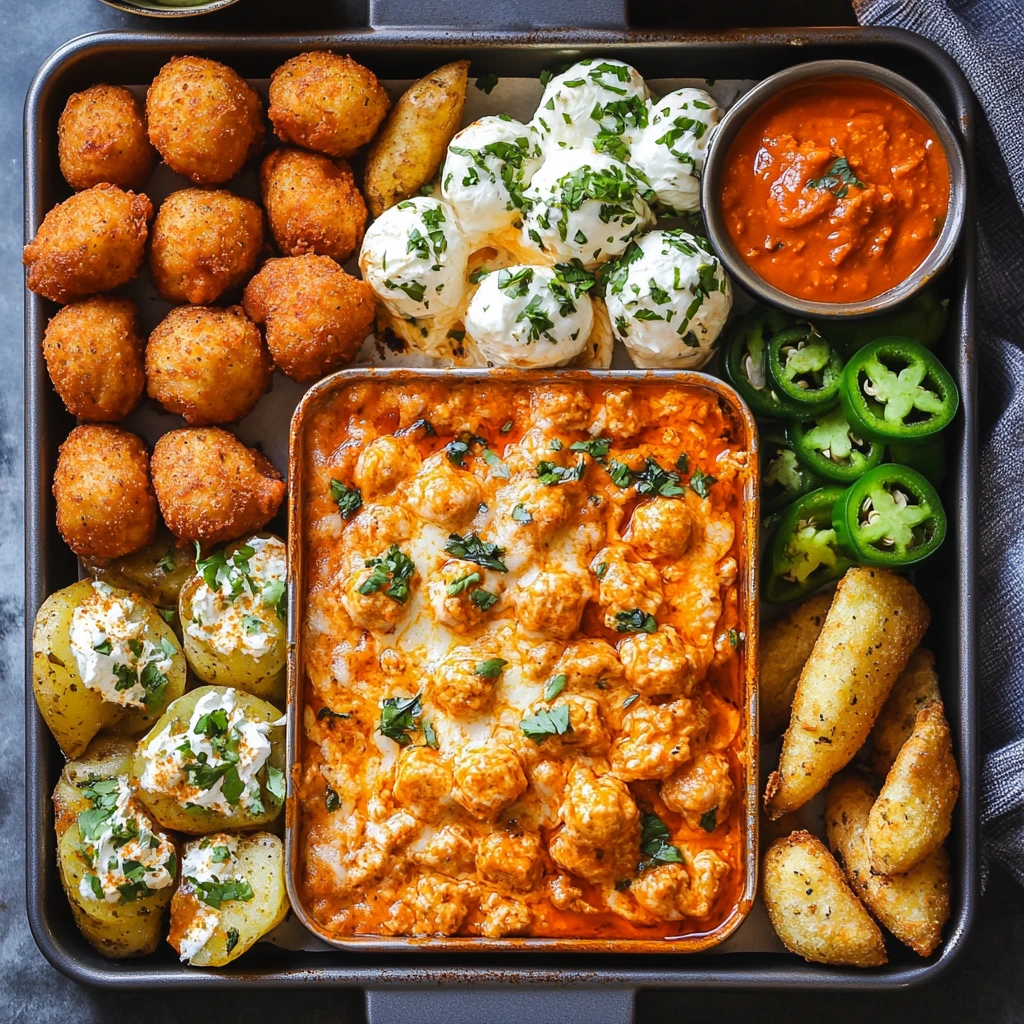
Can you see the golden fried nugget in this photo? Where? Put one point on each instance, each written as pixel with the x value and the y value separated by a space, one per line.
pixel 876 620
pixel 204 119
pixel 312 204
pixel 812 908
pixel 204 242
pixel 914 812
pixel 90 243
pixel 317 316
pixel 208 365
pixel 101 137
pixel 93 350
pixel 914 906
pixel 917 686
pixel 326 102
pixel 211 487
pixel 105 503
pixel 786 644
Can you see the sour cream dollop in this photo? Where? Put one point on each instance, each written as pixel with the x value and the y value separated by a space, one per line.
pixel 668 298
pixel 414 257
pixel 488 165
pixel 584 205
pixel 529 316
pixel 210 859
pixel 670 150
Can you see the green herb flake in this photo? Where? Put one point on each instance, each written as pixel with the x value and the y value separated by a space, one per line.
pixel 709 820
pixel 491 668
pixel 398 718
pixel 232 940
pixel 545 723
pixel 655 843
pixel 348 499
pixel 331 800
pixel 471 548
pixel 486 82
pixel 555 686
pixel 521 514
pixel 483 599
pixel 393 570
pixel 635 621
pixel 701 482
pixel 630 700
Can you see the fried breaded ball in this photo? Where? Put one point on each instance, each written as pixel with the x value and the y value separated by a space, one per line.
pixel 208 365
pixel 204 242
pixel 105 502
pixel 93 350
pixel 211 487
pixel 90 243
pixel 204 119
pixel 316 315
pixel 326 102
pixel 101 136
pixel 312 204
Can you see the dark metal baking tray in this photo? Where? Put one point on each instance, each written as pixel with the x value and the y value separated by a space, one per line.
pixel 593 987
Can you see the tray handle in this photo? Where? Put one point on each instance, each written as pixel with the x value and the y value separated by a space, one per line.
pixel 458 1004
pixel 497 15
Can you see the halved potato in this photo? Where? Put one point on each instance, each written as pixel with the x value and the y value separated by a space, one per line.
pixel 240 923
pixel 168 807
pixel 106 757
pixel 74 712
pixel 263 676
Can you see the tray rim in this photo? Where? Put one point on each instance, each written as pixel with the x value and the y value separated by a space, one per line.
pixel 739 970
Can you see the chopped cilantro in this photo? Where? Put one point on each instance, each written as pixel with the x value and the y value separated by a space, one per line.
pixel 655 843
pixel 701 482
pixel 486 82
pixel 636 621
pixel 348 499
pixel 472 549
pixel 392 570
pixel 545 723
pixel 398 718
pixel 709 819
pixel 555 686
pixel 491 668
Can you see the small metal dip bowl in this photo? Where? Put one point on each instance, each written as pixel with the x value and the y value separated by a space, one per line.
pixel 156 9
pixel 714 166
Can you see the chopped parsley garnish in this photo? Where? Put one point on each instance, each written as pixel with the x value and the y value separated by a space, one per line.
pixel 597 448
pixel 214 893
pixel 348 499
pixel 472 549
pixel 478 275
pixel 392 570
pixel 546 76
pixel 486 82
pixel 601 569
pixel 167 564
pixel 515 284
pixel 398 718
pixel 709 819
pixel 232 940
pixel 735 638
pixel 275 783
pixel 462 583
pixel 837 179
pixel 462 446
pixel 655 843
pixel 555 686
pixel 252 623
pixel 636 621
pixel 506 427
pixel 575 275
pixel 103 647
pixel 621 474
pixel 545 723
pixel 491 668
pixel 483 599
pixel 414 289
pixel 551 474
pixel 701 482
pixel 652 479
pixel 683 464
pixel 325 714
pixel 218 569
pixel 540 322
pixel 521 514
pixel 429 736
pixel 498 468
pixel 275 595
pixel 556 445
pixel 331 800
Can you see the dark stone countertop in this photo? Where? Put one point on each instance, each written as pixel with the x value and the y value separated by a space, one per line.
pixel 986 984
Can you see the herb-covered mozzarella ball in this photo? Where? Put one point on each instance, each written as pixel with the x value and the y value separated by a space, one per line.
pixel 488 165
pixel 414 258
pixel 531 316
pixel 586 205
pixel 668 299
pixel 670 150
pixel 595 104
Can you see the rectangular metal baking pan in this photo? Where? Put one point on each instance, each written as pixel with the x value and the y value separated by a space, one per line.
pixel 596 986
pixel 747 587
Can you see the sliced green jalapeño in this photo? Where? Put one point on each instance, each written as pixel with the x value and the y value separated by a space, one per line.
pixel 783 477
pixel 804 368
pixel 830 447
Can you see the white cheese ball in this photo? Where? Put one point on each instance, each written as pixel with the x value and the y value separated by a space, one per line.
pixel 529 317
pixel 670 150
pixel 585 205
pixel 414 258
pixel 488 164
pixel 595 104
pixel 668 298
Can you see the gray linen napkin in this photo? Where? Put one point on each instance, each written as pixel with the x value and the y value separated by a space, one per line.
pixel 986 38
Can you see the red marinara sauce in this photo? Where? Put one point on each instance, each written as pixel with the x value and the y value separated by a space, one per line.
pixel 835 190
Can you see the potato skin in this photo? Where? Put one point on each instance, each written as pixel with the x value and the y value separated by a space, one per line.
pixel 92 242
pixel 914 906
pixel 413 142
pixel 812 908
pixel 204 242
pixel 916 687
pixel 106 757
pixel 101 136
pixel 326 102
pixel 786 644
pixel 93 352
pixel 312 204
pixel 211 487
pixel 875 622
pixel 204 120
pixel 261 862
pixel 208 365
pixel 316 315
pixel 914 811
pixel 105 501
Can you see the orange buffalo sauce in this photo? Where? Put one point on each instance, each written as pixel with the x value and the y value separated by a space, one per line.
pixel 835 190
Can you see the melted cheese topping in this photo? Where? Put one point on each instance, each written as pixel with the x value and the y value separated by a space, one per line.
pixel 488 721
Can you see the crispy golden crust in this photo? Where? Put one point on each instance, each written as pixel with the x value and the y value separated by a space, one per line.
pixel 312 204
pixel 208 365
pixel 786 644
pixel 101 136
pixel 916 687
pixel 204 242
pixel 316 315
pixel 914 906
pixel 90 243
pixel 211 487
pixel 93 351
pixel 914 812
pixel 812 908
pixel 105 503
pixel 204 120
pixel 326 102
pixel 875 622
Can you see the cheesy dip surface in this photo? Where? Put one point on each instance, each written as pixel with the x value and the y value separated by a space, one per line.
pixel 523 697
